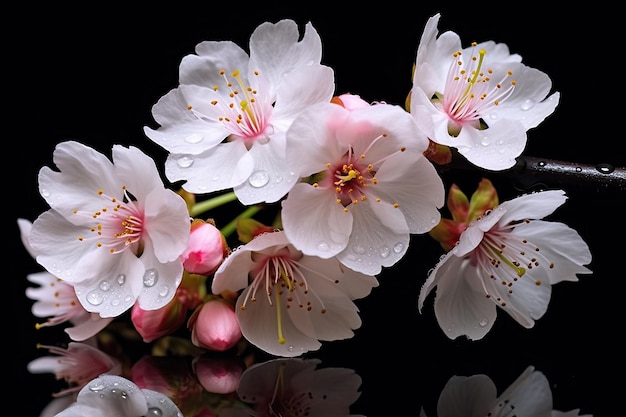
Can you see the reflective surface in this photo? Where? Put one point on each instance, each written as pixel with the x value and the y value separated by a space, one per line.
pixel 94 77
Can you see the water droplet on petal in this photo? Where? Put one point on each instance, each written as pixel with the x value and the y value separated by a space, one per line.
pixel 154 412
pixel 184 161
pixel 384 252
pixel 96 386
pixel 105 285
pixel 95 298
pixel 45 193
pixel 323 246
pixel 121 279
pixel 263 141
pixel 579 169
pixel 360 249
pixel 398 247
pixel 485 141
pixel 194 138
pixel 150 277
pixel 483 322
pixel 164 291
pixel 259 179
pixel 493 116
pixel 527 105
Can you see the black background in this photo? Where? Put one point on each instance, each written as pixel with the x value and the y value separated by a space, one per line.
pixel 93 73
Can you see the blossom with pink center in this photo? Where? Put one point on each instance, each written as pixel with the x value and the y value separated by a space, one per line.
pixel 56 300
pixel 295 387
pixel 77 365
pixel 481 99
pixel 290 301
pixel 368 185
pixel 114 232
pixel 509 259
pixel 249 100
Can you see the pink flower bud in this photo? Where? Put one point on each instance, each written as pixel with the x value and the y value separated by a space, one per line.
pixel 214 325
pixel 218 374
pixel 152 324
pixel 206 249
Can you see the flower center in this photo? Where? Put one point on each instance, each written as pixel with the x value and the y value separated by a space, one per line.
pixel 352 177
pixel 242 111
pixel 470 92
pixel 296 405
pixel 280 276
pixel 505 259
pixel 118 225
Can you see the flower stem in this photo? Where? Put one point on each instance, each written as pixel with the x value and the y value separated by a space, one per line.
pixel 212 203
pixel 246 214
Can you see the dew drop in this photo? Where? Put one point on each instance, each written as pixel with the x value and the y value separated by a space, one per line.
pixel 360 249
pixel 185 161
pixel 115 302
pixel 483 322
pixel 95 298
pixel 127 298
pixel 605 168
pixel 194 138
pixel 259 179
pixel 164 290
pixel 579 169
pixel 121 279
pixel 45 193
pixel 398 247
pixel 384 252
pixel 96 386
pixel 527 105
pixel 105 285
pixel 278 180
pixel 290 348
pixel 263 141
pixel 493 116
pixel 485 141
pixel 150 277
pixel 323 246
pixel 154 412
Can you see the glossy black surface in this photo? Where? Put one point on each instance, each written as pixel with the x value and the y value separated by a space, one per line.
pixel 92 74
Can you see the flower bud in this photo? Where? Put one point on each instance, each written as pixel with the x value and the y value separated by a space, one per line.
pixel 152 324
pixel 214 325
pixel 206 248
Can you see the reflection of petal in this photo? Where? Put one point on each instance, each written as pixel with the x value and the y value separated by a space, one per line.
pixel 280 384
pixel 475 396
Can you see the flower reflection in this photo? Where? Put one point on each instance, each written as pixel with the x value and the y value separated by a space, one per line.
pixel 296 387
pixel 476 395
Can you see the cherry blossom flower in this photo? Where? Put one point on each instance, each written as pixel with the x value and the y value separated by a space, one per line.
pixel 113 395
pixel 56 300
pixel 291 301
pixel 294 386
pixel 369 185
pixel 508 258
pixel 476 396
pixel 481 99
pixel 77 364
pixel 248 100
pixel 114 231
